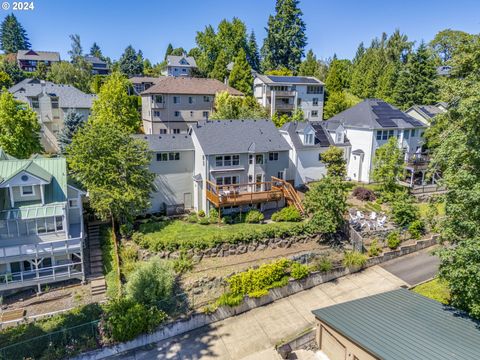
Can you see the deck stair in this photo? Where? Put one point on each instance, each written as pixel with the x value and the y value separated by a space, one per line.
pixel 290 194
pixel 98 285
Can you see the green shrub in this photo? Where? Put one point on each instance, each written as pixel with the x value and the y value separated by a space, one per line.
pixel 229 299
pixel 125 319
pixel 152 284
pixel 126 230
pixel 128 257
pixel 393 240
pixel 323 264
pixel 254 217
pixel 227 220
pixel 258 293
pixel 299 271
pixel 374 249
pixel 416 229
pixel 192 218
pixel 204 221
pixel 354 259
pixel 183 264
pixel 201 213
pixel 289 213
pixel 213 216
pixel 404 212
pixel 139 239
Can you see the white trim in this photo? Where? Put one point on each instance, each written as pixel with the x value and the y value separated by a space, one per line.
pixel 22 194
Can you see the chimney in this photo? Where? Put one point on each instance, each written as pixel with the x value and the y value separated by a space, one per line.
pixel 43 84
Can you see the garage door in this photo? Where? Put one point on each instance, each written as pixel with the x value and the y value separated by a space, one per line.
pixel 331 346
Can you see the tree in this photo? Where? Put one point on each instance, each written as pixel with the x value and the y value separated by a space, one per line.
pixel 11 68
pixel 387 82
pixel 73 121
pixel 220 71
pixel 113 166
pixel 13 36
pixel 5 80
pixel 359 53
pixel 282 71
pixel 96 51
pixel 416 82
pixel 338 78
pixel 337 102
pixel 152 284
pixel 309 66
pixel 326 201
pixel 114 105
pixel 168 51
pixel 41 71
pixel 19 127
pixel 280 119
pixel 207 49
pixel 241 75
pixel 446 43
pixel 253 55
pixel 131 62
pixel 388 164
pixel 286 40
pixel 334 159
pixel 76 51
pixel 237 107
pixel 78 75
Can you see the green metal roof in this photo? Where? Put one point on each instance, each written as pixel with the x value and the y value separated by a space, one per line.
pixel 5 156
pixel 401 324
pixel 33 212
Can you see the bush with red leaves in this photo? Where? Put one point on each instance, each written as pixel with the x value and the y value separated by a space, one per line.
pixel 363 194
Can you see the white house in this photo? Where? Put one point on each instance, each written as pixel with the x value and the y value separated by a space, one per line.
pixel 285 94
pixel 367 126
pixel 425 113
pixel 179 65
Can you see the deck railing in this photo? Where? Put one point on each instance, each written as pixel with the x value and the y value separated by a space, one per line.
pixel 417 159
pixel 41 249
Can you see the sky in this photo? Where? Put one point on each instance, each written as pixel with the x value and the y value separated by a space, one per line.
pixel 333 27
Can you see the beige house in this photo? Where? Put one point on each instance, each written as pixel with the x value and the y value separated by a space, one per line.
pixel 52 102
pixel 172 104
pixel 28 60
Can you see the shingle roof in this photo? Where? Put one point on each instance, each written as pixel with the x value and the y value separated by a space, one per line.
pixel 403 325
pixel 373 114
pixel 38 55
pixel 94 60
pixel 174 60
pixel 298 80
pixel 239 136
pixel 427 111
pixel 189 85
pixel 167 142
pixel 143 79
pixel 68 96
pixel 322 137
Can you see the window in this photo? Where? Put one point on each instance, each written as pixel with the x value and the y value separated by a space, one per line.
pixel 190 99
pixel 158 99
pixel 384 134
pixel 279 88
pixel 227 160
pixel 226 180
pixel 177 113
pixel 312 89
pixel 205 114
pixel 163 131
pixel 54 102
pixel 250 178
pixel 406 134
pixel 308 139
pixel 259 159
pixel 162 157
pixel 299 102
pixel 173 156
pixel 320 157
pixel 176 131
pixel 156 113
pixel 176 99
pixel 413 133
pixel 184 70
pixel 280 175
pixel 28 190
pixel 35 103
pixel 315 101
pixel 390 133
pixel 314 113
pixel 206 99
pixel 73 203
pixel 273 156
pixel 191 113
pixel 250 159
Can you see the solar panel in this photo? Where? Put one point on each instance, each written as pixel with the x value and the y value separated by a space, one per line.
pixel 386 115
pixel 320 135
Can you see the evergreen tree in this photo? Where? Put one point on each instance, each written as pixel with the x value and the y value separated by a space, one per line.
pixel 96 51
pixel 76 50
pixel 73 122
pixel 168 51
pixel 309 66
pixel 12 69
pixel 416 83
pixel 337 102
pixel 286 40
pixel 207 49
pixel 131 63
pixel 338 77
pixel 241 76
pixel 220 71
pixel 387 82
pixel 41 71
pixel 253 55
pixel 13 36
pixel 359 54
pixel 178 51
pixel 398 47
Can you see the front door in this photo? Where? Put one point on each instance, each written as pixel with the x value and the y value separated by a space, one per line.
pixel 258 181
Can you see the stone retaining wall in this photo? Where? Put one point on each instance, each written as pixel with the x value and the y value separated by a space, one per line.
pixel 197 320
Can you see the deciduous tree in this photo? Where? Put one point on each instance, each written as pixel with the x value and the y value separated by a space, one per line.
pixel 334 159
pixel 388 164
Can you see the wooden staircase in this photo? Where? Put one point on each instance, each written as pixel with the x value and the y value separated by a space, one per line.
pixel 290 194
pixel 98 285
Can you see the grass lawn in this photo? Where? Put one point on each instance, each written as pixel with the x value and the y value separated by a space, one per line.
pixel 434 289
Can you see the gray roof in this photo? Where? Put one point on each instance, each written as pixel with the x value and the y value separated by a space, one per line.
pixel 373 114
pixel 174 60
pixel 68 96
pixel 444 70
pixel 401 324
pixel 239 136
pixel 168 142
pixel 427 111
pixel 38 55
pixel 94 60
pixel 290 80
pixel 322 137
pixel 144 79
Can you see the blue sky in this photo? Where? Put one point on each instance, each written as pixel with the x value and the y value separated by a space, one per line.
pixel 332 26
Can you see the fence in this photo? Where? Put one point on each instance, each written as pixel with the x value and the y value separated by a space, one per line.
pixel 56 345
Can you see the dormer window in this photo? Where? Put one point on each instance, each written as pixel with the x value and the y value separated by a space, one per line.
pixel 308 139
pixel 28 190
pixel 339 137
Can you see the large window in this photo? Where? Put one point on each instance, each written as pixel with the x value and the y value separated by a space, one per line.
pixel 273 156
pixel 227 180
pixel 173 156
pixel 176 99
pixel 158 99
pixel 227 160
pixel 206 98
pixel 35 103
pixel 384 134
pixel 259 159
pixel 314 89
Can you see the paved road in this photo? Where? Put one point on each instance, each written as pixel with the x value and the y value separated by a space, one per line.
pixel 414 268
pixel 252 335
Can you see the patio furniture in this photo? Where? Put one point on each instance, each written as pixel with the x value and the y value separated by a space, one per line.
pixel 360 215
pixel 381 222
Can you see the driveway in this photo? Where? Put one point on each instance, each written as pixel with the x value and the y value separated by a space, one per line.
pixel 253 335
pixel 414 268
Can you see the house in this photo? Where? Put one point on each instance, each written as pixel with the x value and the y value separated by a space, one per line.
pixel 142 83
pixel 396 325
pixel 179 65
pixel 230 165
pixel 41 223
pixel 173 104
pixel 52 102
pixel 425 113
pixel 28 60
pixel 367 126
pixel 99 67
pixel 285 94
pixel 308 141
pixel 444 70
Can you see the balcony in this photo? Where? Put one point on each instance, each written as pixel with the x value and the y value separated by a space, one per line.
pixel 283 106
pixel 417 161
pixel 281 93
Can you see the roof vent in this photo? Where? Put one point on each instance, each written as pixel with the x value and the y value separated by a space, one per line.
pixel 173 137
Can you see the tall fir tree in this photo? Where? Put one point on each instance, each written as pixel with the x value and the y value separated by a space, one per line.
pixel 285 43
pixel 338 78
pixel 241 75
pixel 359 54
pixel 220 71
pixel 387 82
pixel 309 66
pixel 416 83
pixel 13 36
pixel 130 63
pixel 96 51
pixel 73 122
pixel 253 55
pixel 168 51
pixel 76 51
